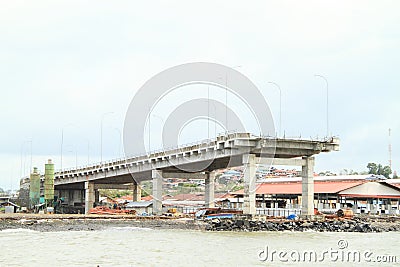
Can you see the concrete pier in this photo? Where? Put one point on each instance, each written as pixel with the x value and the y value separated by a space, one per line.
pixel 249 197
pixel 209 189
pixel 137 192
pixel 89 196
pixel 157 191
pixel 307 193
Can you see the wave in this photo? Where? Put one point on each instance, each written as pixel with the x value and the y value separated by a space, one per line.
pixel 17 230
pixel 128 228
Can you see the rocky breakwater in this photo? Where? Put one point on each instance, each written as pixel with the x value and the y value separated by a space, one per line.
pixel 353 225
pixel 81 223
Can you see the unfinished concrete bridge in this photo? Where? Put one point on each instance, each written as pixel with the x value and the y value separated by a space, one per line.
pixel 196 161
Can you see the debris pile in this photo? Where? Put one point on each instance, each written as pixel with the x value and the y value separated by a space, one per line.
pixel 106 210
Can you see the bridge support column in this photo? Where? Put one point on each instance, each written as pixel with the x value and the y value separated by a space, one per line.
pixel 307 193
pixel 89 196
pixel 137 192
pixel 209 190
pixel 157 191
pixel 96 196
pixel 249 196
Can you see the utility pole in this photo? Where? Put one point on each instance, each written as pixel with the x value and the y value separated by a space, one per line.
pixel 280 107
pixel 390 149
pixel 327 102
pixel 101 135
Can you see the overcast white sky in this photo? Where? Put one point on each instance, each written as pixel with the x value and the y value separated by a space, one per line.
pixel 65 63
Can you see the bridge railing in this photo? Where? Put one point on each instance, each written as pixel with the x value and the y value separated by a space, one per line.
pixel 212 142
pixel 205 143
pixel 278 212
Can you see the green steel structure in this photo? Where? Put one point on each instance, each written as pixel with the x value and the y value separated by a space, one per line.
pixel 49 183
pixel 34 187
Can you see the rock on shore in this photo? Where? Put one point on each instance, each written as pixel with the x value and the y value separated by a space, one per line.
pixel 91 223
pixel 51 225
pixel 356 225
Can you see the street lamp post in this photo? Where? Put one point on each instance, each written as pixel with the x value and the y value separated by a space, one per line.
pixel 101 135
pixel 62 143
pixel 280 107
pixel 30 168
pixel 61 153
pixel 149 130
pixel 162 120
pixel 23 168
pixel 208 112
pixel 215 119
pixel 119 141
pixel 76 156
pixel 88 150
pixel 327 103
pixel 226 103
pixel 226 98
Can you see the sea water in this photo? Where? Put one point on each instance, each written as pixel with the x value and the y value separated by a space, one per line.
pixel 132 246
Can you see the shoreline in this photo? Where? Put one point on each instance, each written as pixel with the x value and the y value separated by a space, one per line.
pixel 360 225
pixel 77 222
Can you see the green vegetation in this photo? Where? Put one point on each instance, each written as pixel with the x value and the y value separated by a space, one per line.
pixel 352 172
pixel 4 193
pixel 189 185
pixel 237 188
pixel 147 188
pixel 378 169
pixel 114 193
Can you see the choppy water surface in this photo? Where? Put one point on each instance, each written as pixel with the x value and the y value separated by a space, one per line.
pixel 130 246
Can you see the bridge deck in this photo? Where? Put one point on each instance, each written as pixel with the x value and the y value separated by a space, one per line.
pixel 222 152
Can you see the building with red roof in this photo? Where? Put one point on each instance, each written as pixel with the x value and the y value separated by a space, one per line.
pixel 363 193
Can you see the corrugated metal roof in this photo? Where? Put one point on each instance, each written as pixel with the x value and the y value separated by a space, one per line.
pixel 139 204
pixel 373 190
pixel 191 197
pixel 317 178
pixel 295 188
pixel 395 182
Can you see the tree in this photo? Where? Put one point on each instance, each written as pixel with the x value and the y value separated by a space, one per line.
pixel 144 193
pixel 372 168
pixel 348 172
pixel 378 169
pixel 386 171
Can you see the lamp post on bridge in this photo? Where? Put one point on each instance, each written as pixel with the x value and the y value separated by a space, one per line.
pixel 226 97
pixel 119 141
pixel 23 168
pixel 208 116
pixel 162 120
pixel 280 107
pixel 88 150
pixel 76 156
pixel 101 135
pixel 327 103
pixel 62 143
